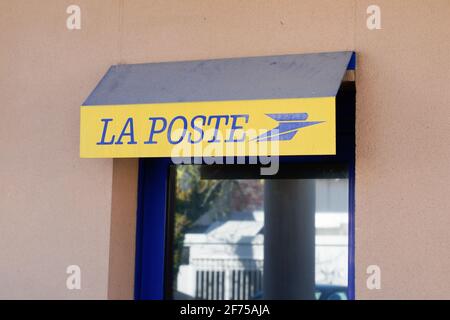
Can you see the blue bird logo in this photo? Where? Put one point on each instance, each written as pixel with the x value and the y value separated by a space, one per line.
pixel 288 126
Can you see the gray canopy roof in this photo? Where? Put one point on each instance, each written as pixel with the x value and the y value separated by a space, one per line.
pixel 269 77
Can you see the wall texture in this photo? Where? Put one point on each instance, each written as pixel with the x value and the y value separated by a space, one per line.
pixel 54 207
pixel 403 158
pixel 57 209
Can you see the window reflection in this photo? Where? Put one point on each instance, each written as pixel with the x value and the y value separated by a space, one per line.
pixel 219 237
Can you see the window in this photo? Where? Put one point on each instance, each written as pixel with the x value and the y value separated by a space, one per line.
pixel 219 230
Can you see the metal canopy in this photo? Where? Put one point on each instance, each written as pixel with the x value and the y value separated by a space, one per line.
pixel 270 77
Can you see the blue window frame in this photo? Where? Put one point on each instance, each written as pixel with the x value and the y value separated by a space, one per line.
pixel 153 200
pixel 152 225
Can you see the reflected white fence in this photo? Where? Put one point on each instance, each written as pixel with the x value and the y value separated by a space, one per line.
pixel 242 279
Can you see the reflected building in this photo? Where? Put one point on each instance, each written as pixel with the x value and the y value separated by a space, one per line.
pixel 223 259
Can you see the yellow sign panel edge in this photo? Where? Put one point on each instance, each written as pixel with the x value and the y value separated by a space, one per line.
pixel 319 139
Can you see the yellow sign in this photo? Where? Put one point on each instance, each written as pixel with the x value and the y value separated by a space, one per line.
pixel 304 126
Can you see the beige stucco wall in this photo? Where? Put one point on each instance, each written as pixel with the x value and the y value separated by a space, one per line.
pixel 57 209
pixel 123 229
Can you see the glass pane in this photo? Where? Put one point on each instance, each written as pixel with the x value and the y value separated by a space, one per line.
pixel 219 237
